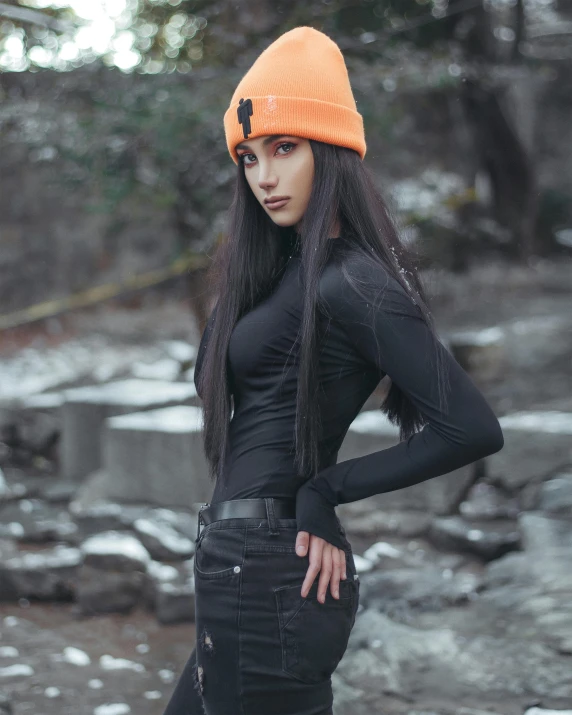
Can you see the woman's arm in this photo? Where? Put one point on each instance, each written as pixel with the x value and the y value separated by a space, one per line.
pixel 396 339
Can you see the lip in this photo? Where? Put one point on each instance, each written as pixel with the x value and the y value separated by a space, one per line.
pixel 278 204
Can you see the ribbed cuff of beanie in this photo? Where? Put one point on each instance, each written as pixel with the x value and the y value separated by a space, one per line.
pixel 298 116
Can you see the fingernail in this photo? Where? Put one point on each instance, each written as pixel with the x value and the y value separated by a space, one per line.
pixel 300 549
pixel 336 594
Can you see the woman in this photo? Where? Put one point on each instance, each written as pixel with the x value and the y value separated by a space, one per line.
pixel 317 302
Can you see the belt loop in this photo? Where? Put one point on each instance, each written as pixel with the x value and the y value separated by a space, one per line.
pixel 199 519
pixel 272 525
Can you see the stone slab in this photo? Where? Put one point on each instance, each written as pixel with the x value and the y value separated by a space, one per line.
pixel 153 457
pixel 86 408
pixel 537 443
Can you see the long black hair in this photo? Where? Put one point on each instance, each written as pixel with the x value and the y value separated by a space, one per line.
pixel 247 264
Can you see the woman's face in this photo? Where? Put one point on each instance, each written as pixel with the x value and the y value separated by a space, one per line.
pixel 279 166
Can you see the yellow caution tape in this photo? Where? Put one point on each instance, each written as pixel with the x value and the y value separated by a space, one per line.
pixel 97 294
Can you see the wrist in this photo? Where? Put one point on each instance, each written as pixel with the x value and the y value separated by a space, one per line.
pixel 316 515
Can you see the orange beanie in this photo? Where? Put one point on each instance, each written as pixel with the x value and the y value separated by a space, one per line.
pixel 298 85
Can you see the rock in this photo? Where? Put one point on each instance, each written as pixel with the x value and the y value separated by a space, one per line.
pixel 112 709
pixel 5 704
pixel 484 501
pixel 536 445
pixel 115 550
pixel 163 369
pixel 388 658
pixel 482 353
pixel 452 710
pixel 86 408
pixel 113 516
pixel 58 492
pixel 100 516
pixel 565 646
pixel 3 485
pixel 48 575
pixel 36 521
pixel 46 402
pixel 8 549
pixel 529 612
pixel 549 574
pixel 113 574
pixel 9 492
pixel 362 565
pixel 179 350
pixel 407 524
pixel 161 573
pixel 347 699
pixel 381 650
pixel 155 457
pixel 158 573
pixel 489 540
pixel 381 553
pixel 175 602
pixel 18 669
pixel 413 554
pixel 112 581
pixel 184 520
pixel 555 495
pixel 38 431
pixel 398 592
pixel 541 532
pixel 162 541
pixel 106 591
pixel 31 430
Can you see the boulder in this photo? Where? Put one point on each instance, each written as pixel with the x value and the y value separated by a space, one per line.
pixel 86 408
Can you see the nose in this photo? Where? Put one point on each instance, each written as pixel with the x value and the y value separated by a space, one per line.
pixel 266 176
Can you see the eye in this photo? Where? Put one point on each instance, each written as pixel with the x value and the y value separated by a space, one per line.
pixel 288 144
pixel 243 157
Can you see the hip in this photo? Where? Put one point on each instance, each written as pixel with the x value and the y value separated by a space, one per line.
pixel 248 582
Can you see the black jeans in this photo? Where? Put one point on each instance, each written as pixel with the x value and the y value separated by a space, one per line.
pixel 261 648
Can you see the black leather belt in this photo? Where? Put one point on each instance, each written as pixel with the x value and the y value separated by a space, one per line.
pixel 246 509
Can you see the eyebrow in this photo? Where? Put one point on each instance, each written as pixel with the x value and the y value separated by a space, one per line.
pixel 266 141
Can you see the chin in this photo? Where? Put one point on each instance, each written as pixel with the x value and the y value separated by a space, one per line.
pixel 284 221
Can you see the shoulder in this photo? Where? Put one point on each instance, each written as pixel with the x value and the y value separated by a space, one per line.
pixel 353 285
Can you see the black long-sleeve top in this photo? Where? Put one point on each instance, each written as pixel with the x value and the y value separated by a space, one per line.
pixel 361 345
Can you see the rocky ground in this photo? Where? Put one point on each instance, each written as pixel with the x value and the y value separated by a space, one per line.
pixel 460 614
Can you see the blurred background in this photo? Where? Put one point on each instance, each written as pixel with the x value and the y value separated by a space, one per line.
pixel 115 180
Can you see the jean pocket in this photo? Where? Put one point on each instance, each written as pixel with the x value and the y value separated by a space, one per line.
pixel 313 635
pixel 219 554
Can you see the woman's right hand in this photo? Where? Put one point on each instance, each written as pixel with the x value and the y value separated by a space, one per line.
pixel 326 560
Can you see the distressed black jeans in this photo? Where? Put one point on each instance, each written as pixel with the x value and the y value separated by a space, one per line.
pixel 261 648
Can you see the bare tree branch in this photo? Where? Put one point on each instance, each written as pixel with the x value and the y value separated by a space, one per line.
pixel 34 17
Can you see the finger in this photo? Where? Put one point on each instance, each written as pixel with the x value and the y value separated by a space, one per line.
pixel 336 572
pixel 302 540
pixel 344 572
pixel 316 548
pixel 325 572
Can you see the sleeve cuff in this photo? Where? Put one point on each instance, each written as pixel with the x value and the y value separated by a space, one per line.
pixel 317 516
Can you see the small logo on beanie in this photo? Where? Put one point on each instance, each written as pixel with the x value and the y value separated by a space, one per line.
pixel 244 113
